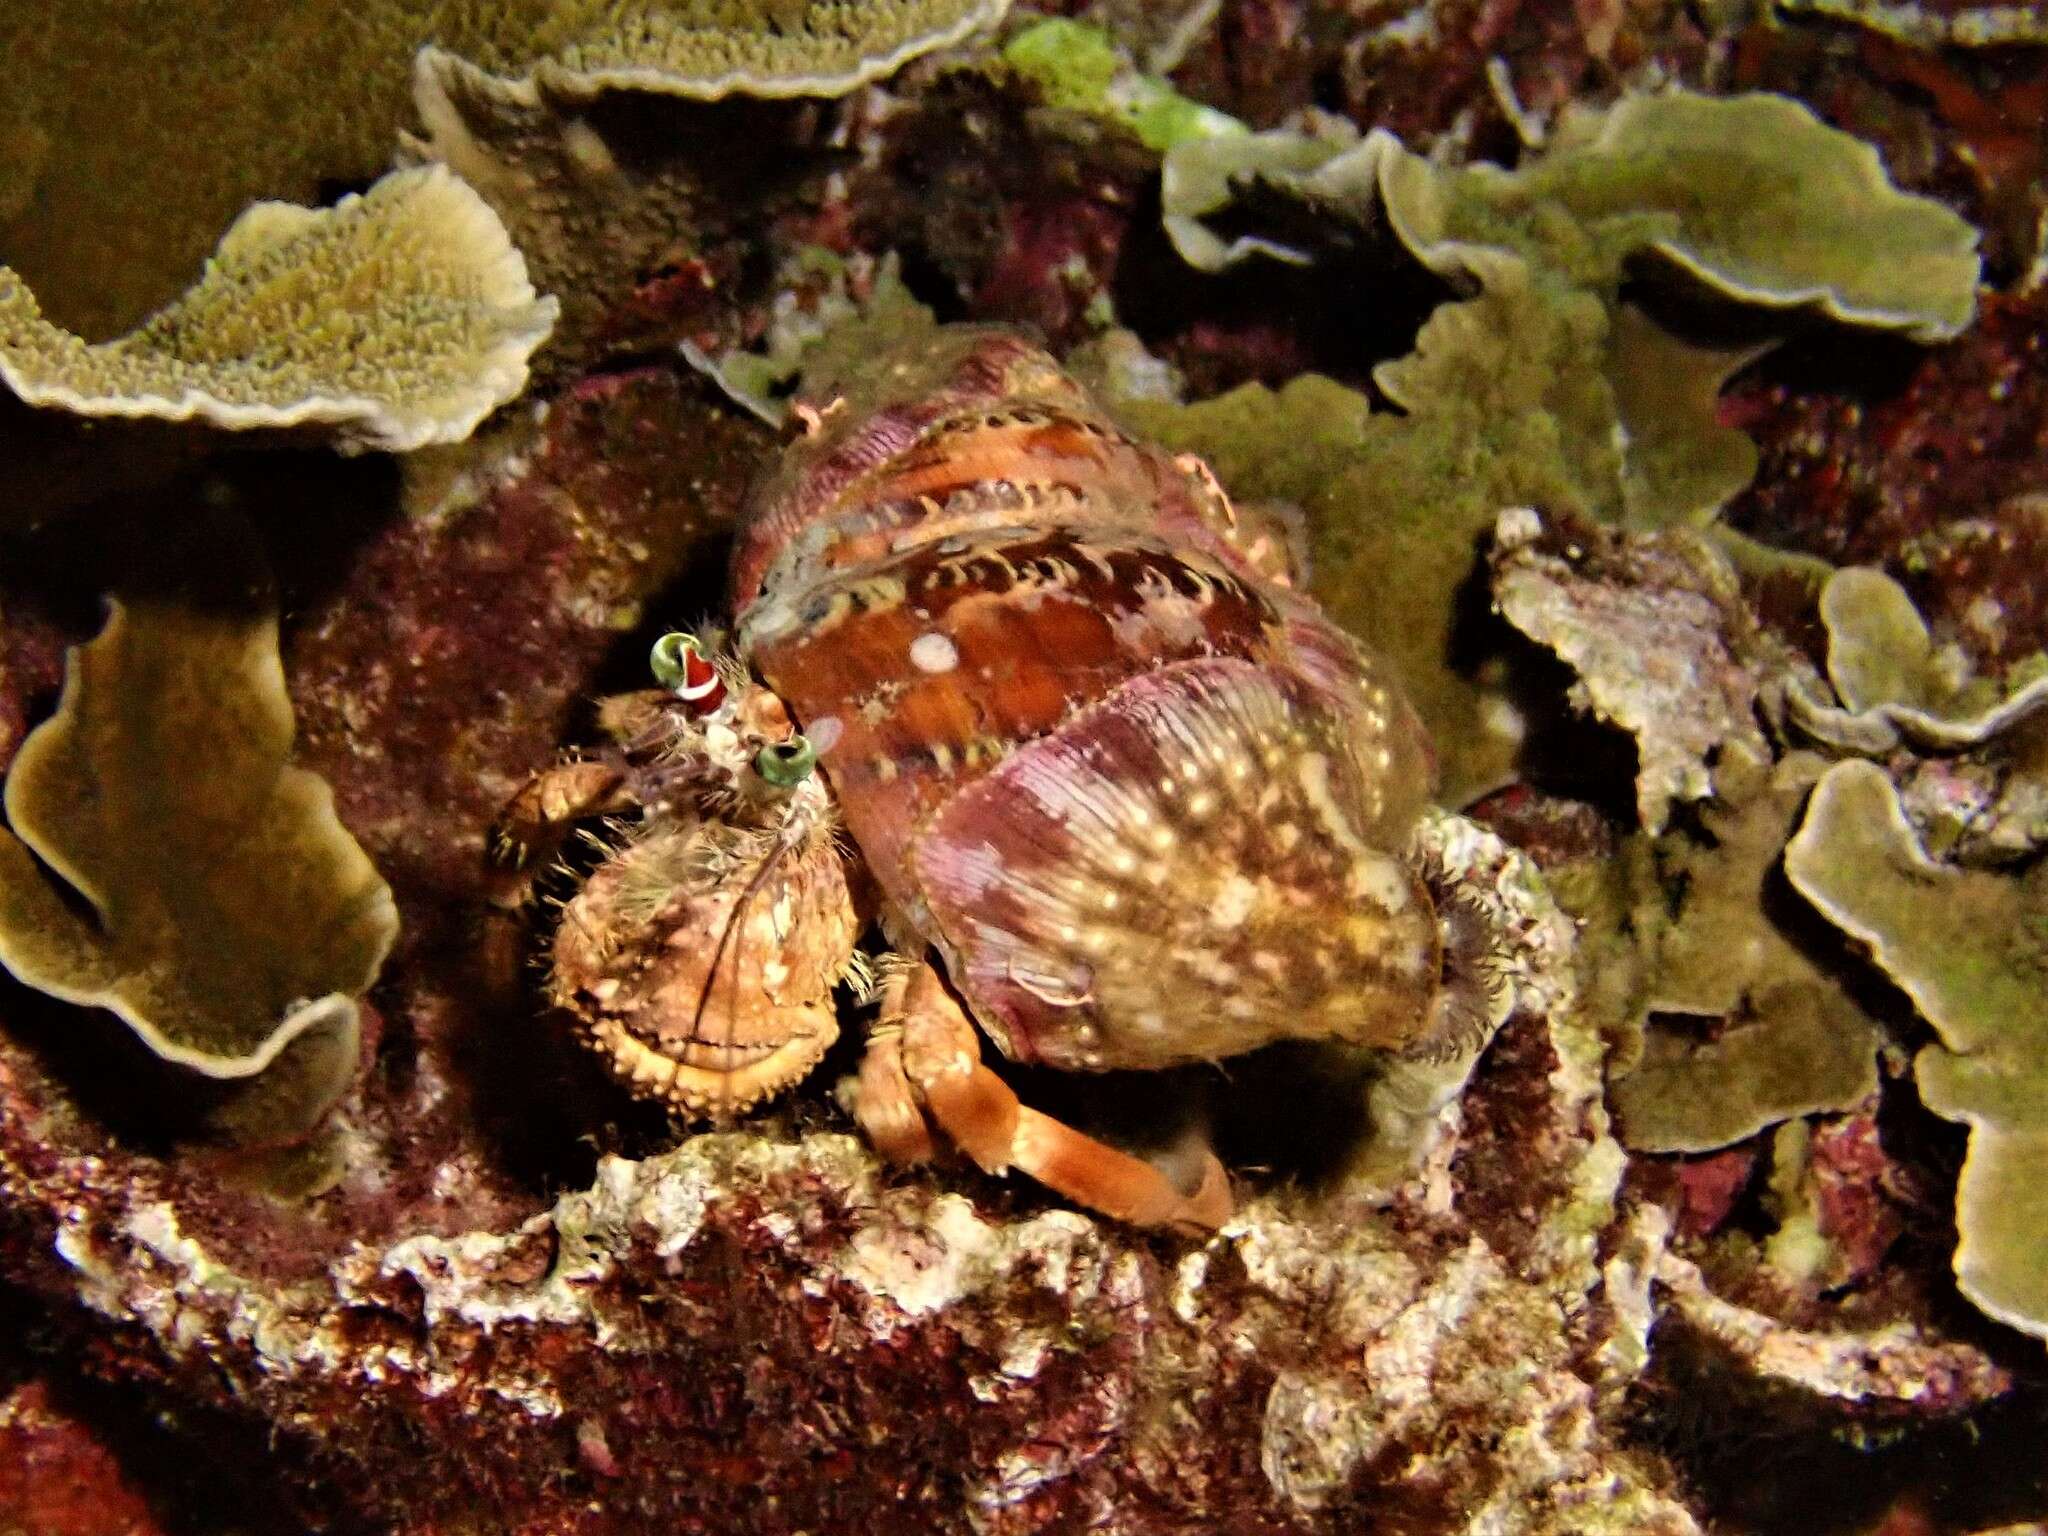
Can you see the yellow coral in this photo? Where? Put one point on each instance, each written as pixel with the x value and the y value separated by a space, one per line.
pixel 707 49
pixel 222 102
pixel 234 919
pixel 402 317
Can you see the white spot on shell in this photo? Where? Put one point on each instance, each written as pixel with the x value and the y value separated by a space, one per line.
pixel 933 652
pixel 824 733
pixel 1234 902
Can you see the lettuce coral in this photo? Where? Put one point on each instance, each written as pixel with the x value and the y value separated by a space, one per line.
pixel 589 220
pixel 1894 682
pixel 1543 387
pixel 708 49
pixel 234 921
pixel 1504 402
pixel 400 317
pixel 1751 195
pixel 1970 948
pixel 1788 1038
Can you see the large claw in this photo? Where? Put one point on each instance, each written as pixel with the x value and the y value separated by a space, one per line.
pixel 708 988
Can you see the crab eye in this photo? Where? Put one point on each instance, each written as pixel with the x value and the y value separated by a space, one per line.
pixel 670 658
pixel 786 764
pixel 680 665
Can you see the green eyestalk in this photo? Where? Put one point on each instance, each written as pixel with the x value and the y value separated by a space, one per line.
pixel 787 764
pixel 670 658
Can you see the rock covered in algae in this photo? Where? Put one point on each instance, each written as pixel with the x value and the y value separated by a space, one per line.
pixel 1898 1363
pixel 1655 628
pixel 1967 947
pixel 768 1331
pixel 60 1476
pixel 234 923
pixel 400 317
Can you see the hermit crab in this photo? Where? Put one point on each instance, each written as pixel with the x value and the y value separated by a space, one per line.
pixel 1028 707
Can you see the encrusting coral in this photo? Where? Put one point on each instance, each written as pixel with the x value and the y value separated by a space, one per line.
pixel 234 920
pixel 399 318
pixel 1970 948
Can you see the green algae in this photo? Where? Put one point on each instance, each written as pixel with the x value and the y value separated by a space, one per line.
pixel 1079 68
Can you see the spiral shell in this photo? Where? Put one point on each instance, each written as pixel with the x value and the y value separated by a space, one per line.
pixel 1145 800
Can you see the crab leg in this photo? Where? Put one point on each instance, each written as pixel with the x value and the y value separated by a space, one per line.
pixel 884 1103
pixel 932 1059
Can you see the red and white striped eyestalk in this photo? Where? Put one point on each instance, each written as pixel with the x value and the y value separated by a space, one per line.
pixel 681 666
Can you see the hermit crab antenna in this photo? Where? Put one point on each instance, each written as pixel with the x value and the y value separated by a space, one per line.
pixel 680 665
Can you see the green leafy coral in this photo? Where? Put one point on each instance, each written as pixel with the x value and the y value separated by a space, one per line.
pixel 704 50
pixel 1752 195
pixel 1503 403
pixel 400 317
pixel 1970 948
pixel 214 902
pixel 1892 681
pixel 1782 1035
pixel 1543 387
